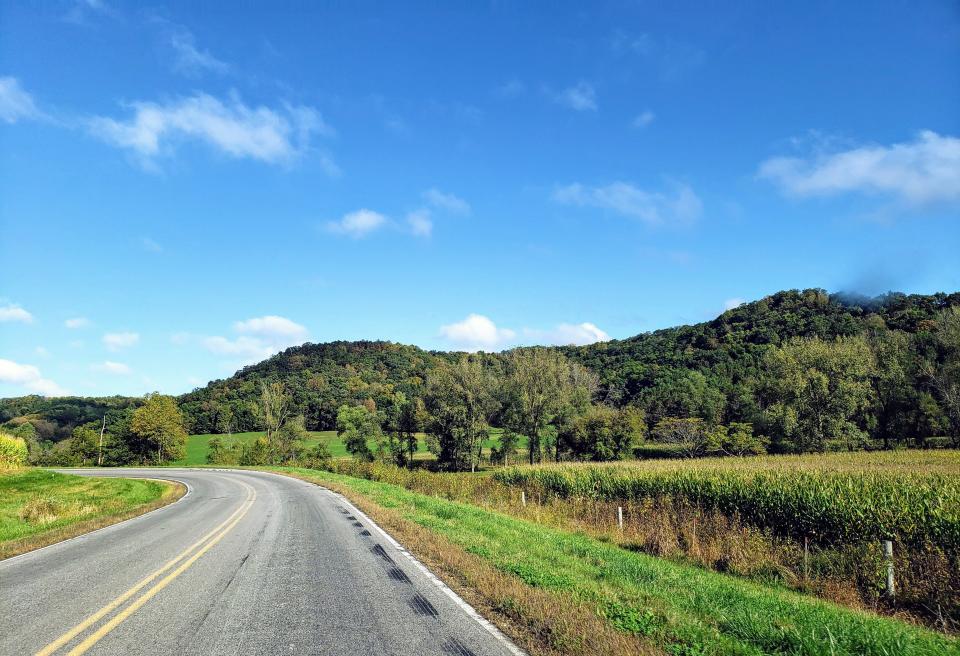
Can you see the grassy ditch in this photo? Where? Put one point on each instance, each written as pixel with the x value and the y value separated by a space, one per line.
pixel 652 603
pixel 39 507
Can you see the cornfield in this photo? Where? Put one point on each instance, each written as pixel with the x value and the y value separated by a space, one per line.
pixel 829 505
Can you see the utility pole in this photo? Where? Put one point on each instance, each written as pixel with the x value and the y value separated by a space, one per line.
pixel 100 445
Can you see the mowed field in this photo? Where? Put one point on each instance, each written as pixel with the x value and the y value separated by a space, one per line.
pixel 198 446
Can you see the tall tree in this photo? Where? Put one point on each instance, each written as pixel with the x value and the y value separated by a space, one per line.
pixel 821 392
pixel 357 426
pixel 158 425
pixel 460 400
pixel 543 387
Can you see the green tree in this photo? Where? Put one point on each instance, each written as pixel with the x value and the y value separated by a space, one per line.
pixel 690 435
pixel 821 392
pixel 603 433
pixel 737 439
pixel 357 426
pixel 84 445
pixel 158 425
pixel 460 400
pixel 944 375
pixel 543 387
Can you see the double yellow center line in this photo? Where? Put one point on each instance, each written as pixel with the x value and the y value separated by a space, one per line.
pixel 197 549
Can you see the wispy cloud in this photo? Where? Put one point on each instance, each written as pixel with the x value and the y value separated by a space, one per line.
pixel 643 119
pixel 358 224
pixel 114 368
pixel 120 341
pixel 919 172
pixel 11 313
pixel 15 103
pixel 29 378
pixel 581 97
pixel 76 322
pixel 420 223
pixel 274 136
pixel 191 60
pixel 681 205
pixel 446 201
pixel 150 245
pixel 669 57
pixel 732 303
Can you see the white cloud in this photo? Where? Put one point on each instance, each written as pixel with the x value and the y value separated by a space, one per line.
pixel 925 170
pixel 28 377
pixel 566 333
pixel 732 303
pixel 580 97
pixel 42 352
pixel 447 202
pixel 420 223
pixel 269 135
pixel 476 332
pixel 644 119
pixel 15 313
pixel 118 341
pixel 190 59
pixel 258 338
pixel 652 207
pixel 271 326
pixel 358 224
pixel 76 322
pixel 115 368
pixel 15 103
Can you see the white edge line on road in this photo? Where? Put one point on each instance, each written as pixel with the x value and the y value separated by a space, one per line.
pixel 23 556
pixel 443 587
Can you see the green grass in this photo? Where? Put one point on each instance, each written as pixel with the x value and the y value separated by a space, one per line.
pixel 36 502
pixel 198 446
pixel 685 609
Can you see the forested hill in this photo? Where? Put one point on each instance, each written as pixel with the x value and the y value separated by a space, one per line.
pixel 728 349
pixel 713 370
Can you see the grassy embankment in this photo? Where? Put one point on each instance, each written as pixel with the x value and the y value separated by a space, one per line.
pixel 198 446
pixel 39 507
pixel 565 592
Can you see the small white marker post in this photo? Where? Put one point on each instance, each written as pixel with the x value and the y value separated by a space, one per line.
pixel 620 517
pixel 523 498
pixel 888 556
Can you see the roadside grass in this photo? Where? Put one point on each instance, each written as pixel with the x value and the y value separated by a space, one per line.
pixel 198 446
pixel 39 507
pixel 681 608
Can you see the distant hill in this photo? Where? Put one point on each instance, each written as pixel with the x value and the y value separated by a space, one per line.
pixel 707 369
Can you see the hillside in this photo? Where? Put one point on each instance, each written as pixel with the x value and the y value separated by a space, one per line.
pixel 711 370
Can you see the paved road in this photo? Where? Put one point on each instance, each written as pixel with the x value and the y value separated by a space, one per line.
pixel 246 563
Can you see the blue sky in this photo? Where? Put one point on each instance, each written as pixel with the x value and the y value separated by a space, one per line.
pixel 185 189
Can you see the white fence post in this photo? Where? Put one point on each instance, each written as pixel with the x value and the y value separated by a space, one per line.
pixel 888 556
pixel 620 517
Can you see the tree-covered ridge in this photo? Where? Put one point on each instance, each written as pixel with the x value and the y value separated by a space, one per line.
pixel 730 348
pixel 794 372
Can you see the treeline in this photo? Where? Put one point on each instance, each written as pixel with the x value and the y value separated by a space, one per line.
pixel 798 371
pixel 150 432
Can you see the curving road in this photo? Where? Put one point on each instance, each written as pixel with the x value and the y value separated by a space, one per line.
pixel 245 563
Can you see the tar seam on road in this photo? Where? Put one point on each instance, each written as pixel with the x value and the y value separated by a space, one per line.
pixel 443 587
pixel 211 538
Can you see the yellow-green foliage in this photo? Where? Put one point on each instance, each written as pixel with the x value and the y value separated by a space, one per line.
pixel 829 503
pixel 13 451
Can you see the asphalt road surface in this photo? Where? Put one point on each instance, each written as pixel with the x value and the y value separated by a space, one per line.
pixel 245 563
